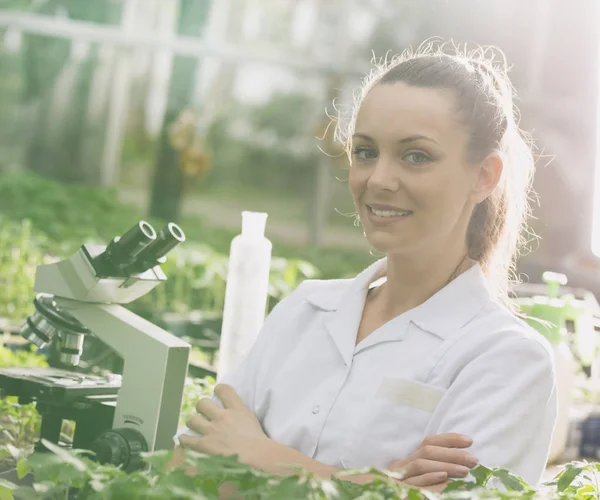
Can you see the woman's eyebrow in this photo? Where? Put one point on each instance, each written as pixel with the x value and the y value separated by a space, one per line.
pixel 405 140
pixel 362 136
pixel 414 138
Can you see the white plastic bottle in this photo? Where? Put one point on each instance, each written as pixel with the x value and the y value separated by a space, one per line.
pixel 246 291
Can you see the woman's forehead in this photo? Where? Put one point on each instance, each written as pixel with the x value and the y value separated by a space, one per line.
pixel 392 109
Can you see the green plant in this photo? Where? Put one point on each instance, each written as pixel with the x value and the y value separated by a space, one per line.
pixel 197 276
pixel 21 358
pixel 68 215
pixel 72 474
pixel 194 390
pixel 332 262
pixel 21 250
pixel 19 424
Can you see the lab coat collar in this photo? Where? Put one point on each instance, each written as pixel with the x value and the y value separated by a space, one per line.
pixel 442 314
pixel 335 292
pixel 345 302
pixel 452 307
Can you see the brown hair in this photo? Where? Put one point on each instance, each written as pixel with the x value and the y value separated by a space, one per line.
pixel 484 96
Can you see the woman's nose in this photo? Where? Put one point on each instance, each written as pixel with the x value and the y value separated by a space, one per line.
pixel 384 176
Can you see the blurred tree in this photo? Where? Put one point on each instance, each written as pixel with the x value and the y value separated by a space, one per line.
pixel 168 180
pixel 267 146
pixel 57 78
pixel 285 115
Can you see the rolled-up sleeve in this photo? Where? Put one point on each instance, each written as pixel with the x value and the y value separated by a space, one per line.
pixel 505 400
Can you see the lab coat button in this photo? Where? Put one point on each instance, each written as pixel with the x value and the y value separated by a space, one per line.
pixel 316 410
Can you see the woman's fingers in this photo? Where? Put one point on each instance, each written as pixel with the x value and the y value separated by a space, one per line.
pixel 229 397
pixel 448 440
pixel 439 454
pixel 197 423
pixel 449 455
pixel 208 408
pixel 438 458
pixel 177 459
pixel 437 488
pixel 429 479
pixel 423 466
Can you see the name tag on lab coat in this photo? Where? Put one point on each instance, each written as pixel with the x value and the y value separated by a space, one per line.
pixel 410 393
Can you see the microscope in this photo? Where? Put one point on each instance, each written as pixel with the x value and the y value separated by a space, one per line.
pixel 118 417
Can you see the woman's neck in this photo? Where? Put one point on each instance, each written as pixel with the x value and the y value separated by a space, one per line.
pixel 412 280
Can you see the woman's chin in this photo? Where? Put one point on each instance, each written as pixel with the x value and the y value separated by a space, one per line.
pixel 387 244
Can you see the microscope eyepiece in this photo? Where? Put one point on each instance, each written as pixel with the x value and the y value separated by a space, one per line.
pixel 135 240
pixel 167 238
pixel 122 251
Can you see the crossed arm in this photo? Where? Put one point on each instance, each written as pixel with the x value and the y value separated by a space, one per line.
pixel 235 430
pixel 505 397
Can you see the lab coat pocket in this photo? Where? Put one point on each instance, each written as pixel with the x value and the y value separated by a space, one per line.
pixel 410 393
pixel 392 422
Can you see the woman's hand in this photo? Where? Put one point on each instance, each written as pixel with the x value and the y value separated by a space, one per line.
pixel 232 430
pixel 437 459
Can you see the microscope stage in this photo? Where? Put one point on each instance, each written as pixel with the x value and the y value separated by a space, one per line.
pixel 43 383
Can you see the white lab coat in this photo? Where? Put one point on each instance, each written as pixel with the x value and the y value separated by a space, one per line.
pixel 457 363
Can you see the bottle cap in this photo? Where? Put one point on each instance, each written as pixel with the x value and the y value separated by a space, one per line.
pixel 254 223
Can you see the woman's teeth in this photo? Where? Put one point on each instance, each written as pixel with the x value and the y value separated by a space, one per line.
pixel 390 213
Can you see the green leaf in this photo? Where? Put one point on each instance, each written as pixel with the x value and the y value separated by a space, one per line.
pixel 568 476
pixel 22 469
pixel 65 456
pixel 27 493
pixel 371 495
pixel 456 485
pixel 6 489
pixel 585 490
pixel 415 494
pixel 180 493
pixel 290 489
pixel 481 474
pixel 511 481
pixel 158 459
pixel 429 495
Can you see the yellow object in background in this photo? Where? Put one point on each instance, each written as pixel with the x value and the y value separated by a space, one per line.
pixel 186 138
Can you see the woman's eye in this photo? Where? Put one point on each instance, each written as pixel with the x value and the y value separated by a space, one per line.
pixel 417 157
pixel 363 153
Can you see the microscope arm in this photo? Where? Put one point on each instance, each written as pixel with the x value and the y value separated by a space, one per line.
pixel 155 367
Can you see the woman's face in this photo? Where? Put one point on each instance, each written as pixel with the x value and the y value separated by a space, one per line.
pixel 409 177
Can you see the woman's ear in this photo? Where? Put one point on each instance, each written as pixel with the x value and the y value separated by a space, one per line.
pixel 488 177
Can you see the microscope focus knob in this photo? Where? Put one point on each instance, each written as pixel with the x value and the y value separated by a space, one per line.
pixel 120 447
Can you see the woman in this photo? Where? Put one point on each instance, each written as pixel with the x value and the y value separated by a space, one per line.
pixel 418 363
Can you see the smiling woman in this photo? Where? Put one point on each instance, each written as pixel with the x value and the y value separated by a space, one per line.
pixel 419 357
